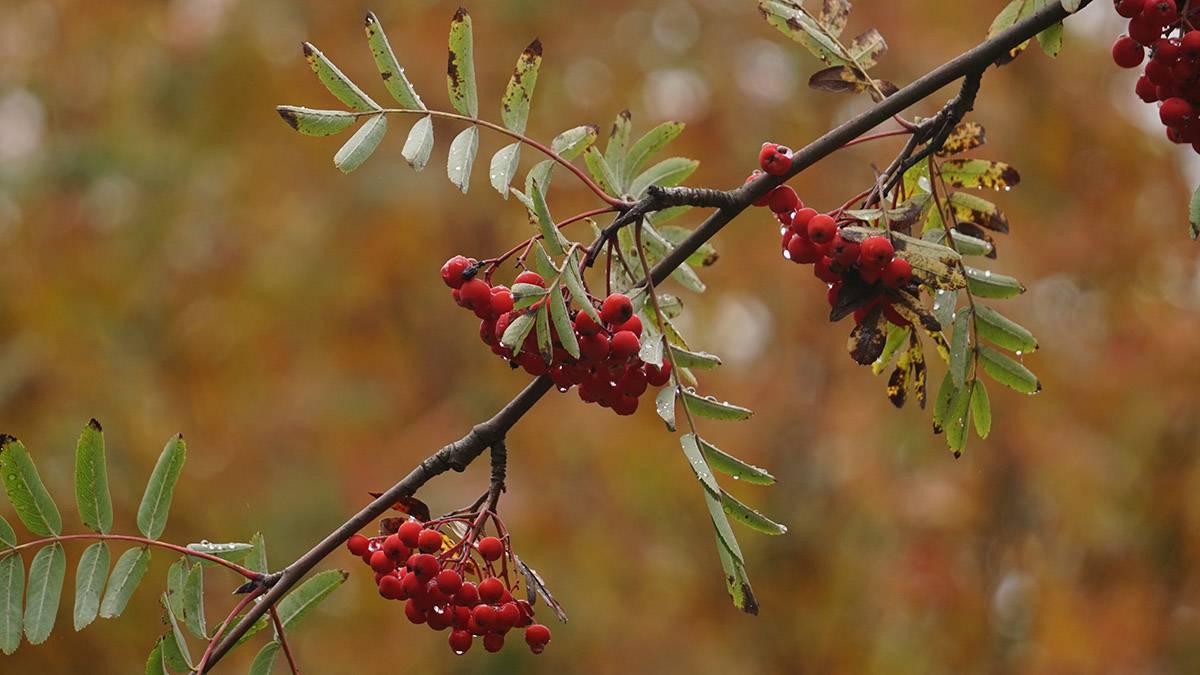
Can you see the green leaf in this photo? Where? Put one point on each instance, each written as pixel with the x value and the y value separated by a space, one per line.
pixel 514 336
pixel 176 577
pixel 545 343
pixel 562 323
pixel 617 147
pixel 1014 12
pixel 572 142
pixel 749 517
pixel 232 551
pixel 897 336
pixel 732 466
pixel 981 409
pixel 156 503
pixel 156 664
pixel 257 560
pixel 1003 331
pixel 978 173
pixel 1008 371
pixel 659 217
pixel 462 157
pixel 664 405
pixel 700 360
pixel 311 122
pixel 193 602
pixel 1194 214
pixel 264 661
pixel 1051 39
pixel 707 406
pixel 7 536
pixel 337 83
pixel 12 589
pixel 46 575
pixel 794 22
pixel 969 208
pixel 514 107
pixel 956 419
pixel 124 580
pixel 1072 6
pixel 89 583
pixel 600 170
pixel 295 605
pixel 944 303
pixel 33 503
pixel 704 256
pixel 866 49
pixel 653 141
pixel 419 144
pixel 527 295
pixel 574 283
pixel 987 284
pixel 968 245
pixel 359 147
pixel 393 76
pixel 552 238
pixel 175 649
pixel 667 173
pixel 504 166
pixel 91 480
pixel 460 68
pixel 941 406
pixel 959 347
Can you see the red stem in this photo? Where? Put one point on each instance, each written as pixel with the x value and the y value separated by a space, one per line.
pixel 248 573
pixel 287 650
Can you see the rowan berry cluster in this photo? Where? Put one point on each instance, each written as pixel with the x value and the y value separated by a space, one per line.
pixel 608 370
pixel 1172 75
pixel 429 571
pixel 813 238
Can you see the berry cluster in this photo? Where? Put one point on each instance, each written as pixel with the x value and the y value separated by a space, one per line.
pixel 1172 75
pixel 421 566
pixel 608 370
pixel 812 238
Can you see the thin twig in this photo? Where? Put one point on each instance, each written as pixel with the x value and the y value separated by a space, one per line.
pixel 279 632
pixel 93 536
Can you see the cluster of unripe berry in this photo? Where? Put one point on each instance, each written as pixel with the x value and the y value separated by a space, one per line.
pixel 812 238
pixel 419 566
pixel 1172 74
pixel 608 370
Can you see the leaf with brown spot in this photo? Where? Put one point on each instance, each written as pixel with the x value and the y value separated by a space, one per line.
pixel 854 294
pixel 793 21
pixel 978 173
pixel 839 80
pixel 968 208
pixel 896 387
pixel 867 339
pixel 460 66
pixel 934 265
pixel 917 372
pixel 410 505
pixel 514 107
pixel 866 49
pixel 884 87
pixel 909 308
pixel 976 232
pixel 834 15
pixel 966 136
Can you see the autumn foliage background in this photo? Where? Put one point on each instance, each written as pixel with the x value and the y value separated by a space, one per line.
pixel 174 258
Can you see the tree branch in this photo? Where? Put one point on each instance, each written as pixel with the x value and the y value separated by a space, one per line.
pixel 459 454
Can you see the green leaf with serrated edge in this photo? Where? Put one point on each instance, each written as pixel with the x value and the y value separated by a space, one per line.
pixel 514 336
pixel 897 337
pixel 981 410
pixel 231 551
pixel 91 480
pixel 393 75
pixel 562 323
pixel 978 173
pixel 419 144
pixel 514 107
pixel 707 406
pixel 156 502
pixel 295 605
pixel 337 83
pixel 664 405
pixel 156 665
pixel 264 660
pixel 941 405
pixel 460 68
pixel 359 146
pixel 732 466
pixel 653 141
pixel 988 284
pixel 7 536
pixel 193 602
pixel 12 590
pixel 175 649
pixel 618 146
pixel 956 419
pixel 33 503
pixel 541 213
pixel 701 360
pixel 1008 371
pixel 176 576
pixel 462 157
pixel 504 166
pixel 1051 40
pixel 794 22
pixel 960 347
pixel 667 173
pixel 1194 214
pixel 600 170
pixel 749 517
pixel 1003 331
pixel 124 580
pixel 89 583
pixel 46 575
pixel 544 341
pixel 311 122
pixel 575 284
pixel 257 560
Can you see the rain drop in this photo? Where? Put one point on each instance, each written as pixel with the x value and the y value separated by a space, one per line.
pixel 988 274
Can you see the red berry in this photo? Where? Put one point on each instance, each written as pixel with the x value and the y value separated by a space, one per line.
pixel 1166 50
pixel 1127 53
pixel 454 272
pixel 380 562
pixel 414 613
pixel 424 565
pixel 537 636
pixel 1189 44
pixel 761 201
pixel 508 615
pixel 449 582
pixel 783 199
pixel 530 277
pixel 410 585
pixel 624 344
pixel 484 615
pixel 832 295
pixel 861 313
pixel 467 595
pixel 389 587
pixel 1175 112
pixel 801 220
pixel 491 548
pixel 1160 12
pixel 821 229
pixel 625 405
pixel 394 548
pixel 875 252
pixel 870 273
pixel 1144 32
pixel 408 533
pixel 593 348
pixel 490 590
pixel 429 541
pixel 1146 90
pixel 493 642
pixel 438 620
pixel 633 325
pixel 822 270
pixel 633 383
pixel 1130 8
pixel 460 641
pixel 476 294
pixel 775 159
pixel 358 544
pixel 844 251
pixel 801 250
pixel 585 324
pixel 895 317
pixel 616 309
pixel 658 376
pixel 502 300
pixel 897 273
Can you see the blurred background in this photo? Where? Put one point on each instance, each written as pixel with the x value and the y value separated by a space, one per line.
pixel 175 258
